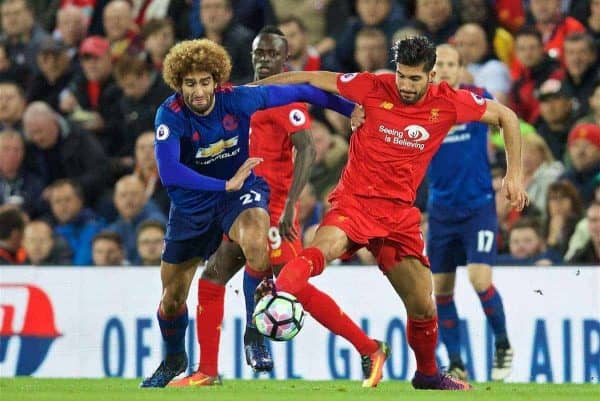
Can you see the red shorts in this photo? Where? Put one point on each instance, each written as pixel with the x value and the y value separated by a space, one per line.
pixel 390 234
pixel 282 250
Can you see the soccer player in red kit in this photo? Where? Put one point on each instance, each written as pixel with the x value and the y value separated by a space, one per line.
pixel 407 119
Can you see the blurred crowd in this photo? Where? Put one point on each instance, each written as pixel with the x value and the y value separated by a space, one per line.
pixel 80 81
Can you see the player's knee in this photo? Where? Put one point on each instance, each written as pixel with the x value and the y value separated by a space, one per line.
pixel 213 275
pixel 257 254
pixel 171 305
pixel 480 278
pixel 422 308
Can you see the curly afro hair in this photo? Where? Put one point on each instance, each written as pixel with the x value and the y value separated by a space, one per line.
pixel 199 55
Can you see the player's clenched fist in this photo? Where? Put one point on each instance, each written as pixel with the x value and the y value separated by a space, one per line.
pixel 237 181
pixel 513 190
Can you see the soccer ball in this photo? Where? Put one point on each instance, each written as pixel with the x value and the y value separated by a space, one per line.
pixel 278 317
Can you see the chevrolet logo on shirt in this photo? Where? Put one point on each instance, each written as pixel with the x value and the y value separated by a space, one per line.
pixel 217 147
pixel 386 105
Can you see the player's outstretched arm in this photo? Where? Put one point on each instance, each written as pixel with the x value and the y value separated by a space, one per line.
pixel 507 120
pixel 279 95
pixel 325 80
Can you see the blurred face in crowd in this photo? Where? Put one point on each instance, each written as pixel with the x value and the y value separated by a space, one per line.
pixel 595 8
pixel 150 244
pixel 533 157
pixel 144 151
pixel 583 154
pixel 96 68
pixel 130 197
pixel 559 204
pixel 524 242
pixel 370 52
pixel 473 11
pixel 593 216
pixel 556 109
pixel 412 82
pixel 322 139
pixel 529 50
pixel 447 65
pixel 38 241
pixel 198 91
pixel 373 12
pixel 71 24
pixel 433 13
pixel 65 203
pixel 159 42
pixel 12 151
pixel 471 43
pixel 269 53
pixel 16 18
pixel 4 60
pixel 595 101
pixel 12 103
pixel 215 15
pixel 117 18
pixel 53 64
pixel 135 86
pixel 106 252
pixel 41 129
pixel 579 57
pixel 544 11
pixel 296 38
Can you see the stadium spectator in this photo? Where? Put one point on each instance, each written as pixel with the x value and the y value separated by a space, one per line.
pixel 537 68
pixel 12 105
pixel 107 249
pixel 22 34
pixel 582 234
pixel 150 239
pixel 92 97
pixel 553 24
pixel 301 55
pixel 540 169
pixel 310 213
pixel 324 21
pixel 435 18
pixel 487 71
pixel 590 252
pixel 158 36
pixel 481 12
pixel 332 153
pixel 593 116
pixel 72 221
pixel 71 27
pixel 12 224
pixel 147 171
pixel 55 72
pixel 120 28
pixel 42 247
pixel 11 71
pixel 381 14
pixel 564 210
pixel 371 50
pixel 134 208
pixel 584 153
pixel 592 22
pixel 143 91
pixel 556 116
pixel 582 73
pixel 59 150
pixel 219 26
pixel 527 247
pixel 18 185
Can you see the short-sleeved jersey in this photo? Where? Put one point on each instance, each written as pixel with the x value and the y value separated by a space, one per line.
pixel 459 173
pixel 390 152
pixel 215 145
pixel 270 138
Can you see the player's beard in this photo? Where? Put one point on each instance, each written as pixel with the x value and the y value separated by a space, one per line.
pixel 413 97
pixel 199 108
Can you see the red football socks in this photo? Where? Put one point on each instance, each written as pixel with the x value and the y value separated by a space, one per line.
pixel 209 315
pixel 295 274
pixel 422 337
pixel 325 311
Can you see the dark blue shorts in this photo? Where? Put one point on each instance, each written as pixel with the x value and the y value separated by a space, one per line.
pixel 204 231
pixel 457 241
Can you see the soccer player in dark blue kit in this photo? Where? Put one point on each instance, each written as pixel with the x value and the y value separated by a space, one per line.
pixel 463 225
pixel 201 146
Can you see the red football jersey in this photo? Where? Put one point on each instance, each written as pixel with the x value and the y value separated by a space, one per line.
pixel 270 132
pixel 390 152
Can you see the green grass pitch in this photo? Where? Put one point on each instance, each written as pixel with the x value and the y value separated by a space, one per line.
pixel 29 389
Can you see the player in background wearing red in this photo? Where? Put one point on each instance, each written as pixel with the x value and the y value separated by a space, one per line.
pixel 407 118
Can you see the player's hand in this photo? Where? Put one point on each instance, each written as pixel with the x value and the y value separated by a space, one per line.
pixel 236 182
pixel 286 223
pixel 513 190
pixel 357 118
